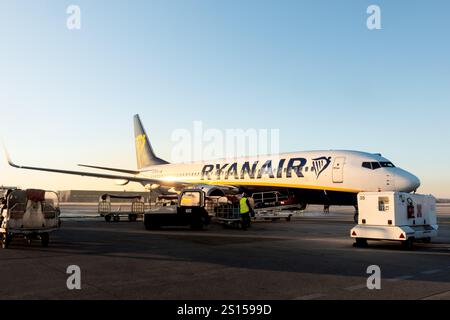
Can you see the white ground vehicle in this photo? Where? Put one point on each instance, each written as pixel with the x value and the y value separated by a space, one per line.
pixel 30 214
pixel 396 216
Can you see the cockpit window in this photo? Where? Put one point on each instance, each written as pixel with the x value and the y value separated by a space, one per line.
pixel 377 165
pixel 367 165
pixel 387 164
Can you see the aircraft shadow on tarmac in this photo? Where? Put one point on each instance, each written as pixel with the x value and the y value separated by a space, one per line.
pixel 242 251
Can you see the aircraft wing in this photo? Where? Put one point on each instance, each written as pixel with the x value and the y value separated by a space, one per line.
pixel 111 169
pixel 141 180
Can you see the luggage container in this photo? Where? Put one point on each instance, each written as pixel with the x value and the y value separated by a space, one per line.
pixel 395 216
pixel 30 214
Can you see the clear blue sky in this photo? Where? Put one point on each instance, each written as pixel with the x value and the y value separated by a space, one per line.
pixel 310 68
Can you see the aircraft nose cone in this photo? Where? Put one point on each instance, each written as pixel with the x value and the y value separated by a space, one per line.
pixel 407 182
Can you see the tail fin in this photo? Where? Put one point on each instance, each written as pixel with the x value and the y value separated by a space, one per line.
pixel 144 153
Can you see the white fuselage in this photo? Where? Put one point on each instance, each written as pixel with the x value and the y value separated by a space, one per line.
pixel 327 170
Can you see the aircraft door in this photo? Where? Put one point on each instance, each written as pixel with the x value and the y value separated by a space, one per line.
pixel 338 170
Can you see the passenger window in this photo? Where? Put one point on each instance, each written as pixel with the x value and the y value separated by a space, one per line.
pixel 376 165
pixel 367 165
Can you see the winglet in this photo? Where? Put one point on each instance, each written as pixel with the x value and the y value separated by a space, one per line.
pixel 8 158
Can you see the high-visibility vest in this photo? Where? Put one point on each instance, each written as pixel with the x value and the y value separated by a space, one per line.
pixel 243 205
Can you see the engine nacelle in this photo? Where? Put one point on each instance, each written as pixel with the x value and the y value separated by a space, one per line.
pixel 121 182
pixel 153 186
pixel 212 191
pixel 173 190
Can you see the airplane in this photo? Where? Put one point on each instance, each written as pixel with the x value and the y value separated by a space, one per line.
pixel 327 177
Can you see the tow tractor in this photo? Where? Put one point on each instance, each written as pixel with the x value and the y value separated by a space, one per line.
pixel 395 216
pixel 30 214
pixel 190 211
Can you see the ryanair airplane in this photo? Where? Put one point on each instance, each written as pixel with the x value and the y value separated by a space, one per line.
pixel 330 177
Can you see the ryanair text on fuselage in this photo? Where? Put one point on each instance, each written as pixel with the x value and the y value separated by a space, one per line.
pixel 284 168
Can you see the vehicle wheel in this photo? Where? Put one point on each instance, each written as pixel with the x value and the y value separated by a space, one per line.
pixel 6 240
pixel 150 226
pixel 108 218
pixel 408 244
pixel 45 239
pixel 360 243
pixel 427 240
pixel 197 224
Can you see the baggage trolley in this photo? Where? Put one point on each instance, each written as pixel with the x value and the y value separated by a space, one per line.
pixel 29 214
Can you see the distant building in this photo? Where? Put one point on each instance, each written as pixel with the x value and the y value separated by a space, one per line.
pixel 3 189
pixel 94 195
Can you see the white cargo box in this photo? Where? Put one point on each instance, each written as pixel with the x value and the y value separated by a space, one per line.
pixel 395 216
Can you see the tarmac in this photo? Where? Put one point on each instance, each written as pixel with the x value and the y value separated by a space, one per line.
pixel 310 257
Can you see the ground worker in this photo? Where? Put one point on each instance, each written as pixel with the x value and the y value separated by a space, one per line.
pixel 245 210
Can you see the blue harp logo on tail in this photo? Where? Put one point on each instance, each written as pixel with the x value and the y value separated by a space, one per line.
pixel 320 164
